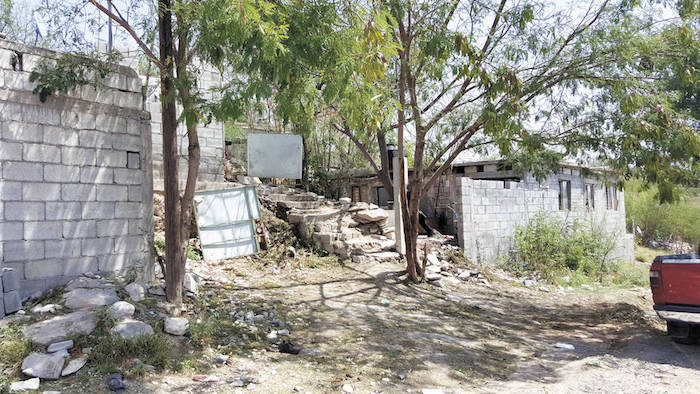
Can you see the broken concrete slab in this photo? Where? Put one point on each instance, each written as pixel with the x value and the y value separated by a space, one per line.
pixel 44 366
pixel 58 346
pixel 371 216
pixel 61 328
pixel 12 301
pixel 90 298
pixel 9 280
pixel 137 291
pixel 74 366
pixel 25 385
pixel 129 329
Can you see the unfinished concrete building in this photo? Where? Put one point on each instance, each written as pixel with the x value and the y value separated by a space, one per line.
pixel 482 203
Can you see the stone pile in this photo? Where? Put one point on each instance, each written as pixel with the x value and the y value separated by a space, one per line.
pixel 359 231
pixel 439 270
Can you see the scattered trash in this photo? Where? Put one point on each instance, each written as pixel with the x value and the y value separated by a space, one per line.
pixel 206 378
pixel 221 358
pixel 312 352
pixel 116 383
pixel 385 302
pixel 566 346
pixel 288 347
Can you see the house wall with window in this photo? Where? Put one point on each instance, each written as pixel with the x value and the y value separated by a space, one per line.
pixel 489 211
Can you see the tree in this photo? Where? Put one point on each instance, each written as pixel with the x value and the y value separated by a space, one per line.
pixel 521 77
pixel 180 39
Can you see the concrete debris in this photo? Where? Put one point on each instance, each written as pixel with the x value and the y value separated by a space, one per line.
pixel 191 284
pixel 129 329
pixel 116 383
pixel 61 328
pixel 48 308
pixel 58 346
pixel 136 290
pixel 221 358
pixel 82 298
pixel 74 366
pixel 566 346
pixel 121 309
pixel 44 366
pixel 88 283
pixel 157 290
pixel 176 325
pixel 25 385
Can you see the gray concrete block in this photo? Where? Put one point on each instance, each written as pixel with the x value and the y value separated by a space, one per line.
pixel 129 244
pixel 112 192
pixel 128 176
pixel 41 153
pixel 79 266
pixel 23 250
pixel 135 193
pixel 78 156
pixel 41 191
pixel 42 230
pixel 17 210
pixel 110 158
pixel 111 124
pixel 11 150
pixel 20 171
pixel 10 281
pixel 64 248
pixel 42 269
pixel 18 131
pixel 56 135
pixel 98 210
pixel 97 175
pixel 63 210
pixel 133 160
pixel 11 231
pixel 60 173
pixel 129 210
pixel 94 139
pixel 114 227
pixel 12 301
pixel 78 192
pixel 80 229
pixel 96 246
pixel 10 191
pixel 2 305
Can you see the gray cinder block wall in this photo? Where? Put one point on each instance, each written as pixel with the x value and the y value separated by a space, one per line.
pixel 488 212
pixel 75 176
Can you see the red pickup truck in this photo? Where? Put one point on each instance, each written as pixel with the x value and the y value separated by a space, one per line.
pixel 675 286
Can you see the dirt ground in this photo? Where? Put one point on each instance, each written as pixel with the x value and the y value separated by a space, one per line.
pixel 375 333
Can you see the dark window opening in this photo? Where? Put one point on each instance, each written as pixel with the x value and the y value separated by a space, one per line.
pixel 382 197
pixel 590 195
pixel 611 198
pixel 564 195
pixel 480 168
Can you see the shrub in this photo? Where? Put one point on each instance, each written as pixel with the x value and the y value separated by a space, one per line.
pixel 549 245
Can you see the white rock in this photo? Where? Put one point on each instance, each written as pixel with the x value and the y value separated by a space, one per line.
pixel 176 325
pixel 371 216
pixel 58 346
pixel 74 366
pixel 44 366
pixel 283 333
pixel 221 358
pixel 90 298
pixel 432 391
pixel 190 284
pixel 136 290
pixel 121 309
pixel 433 260
pixel 156 290
pixel 25 385
pixel 272 335
pixel 566 346
pixel 48 308
pixel 129 328
pixel 347 388
pixel 61 328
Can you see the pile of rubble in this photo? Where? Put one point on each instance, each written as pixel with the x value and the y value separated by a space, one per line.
pixel 360 231
pixel 441 269
pixel 55 355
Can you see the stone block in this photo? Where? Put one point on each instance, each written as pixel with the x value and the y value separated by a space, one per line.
pixel 11 150
pixel 16 210
pixel 42 153
pixel 10 191
pixel 112 193
pixel 98 210
pixel 10 281
pixel 11 231
pixel 129 244
pixel 94 139
pixel 96 175
pixel 20 171
pixel 135 193
pixel 111 124
pixel 111 158
pixel 43 114
pixel 133 160
pixel 57 135
pixel 60 173
pixel 79 266
pixel 114 227
pixel 126 142
pixel 42 230
pixel 42 269
pixel 78 156
pixel 41 191
pixel 12 301
pixel 2 304
pixel 62 248
pixel 130 210
pixel 63 210
pixel 18 131
pixel 128 176
pixel 78 192
pixel 96 246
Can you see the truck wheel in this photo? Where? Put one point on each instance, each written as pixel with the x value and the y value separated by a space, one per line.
pixel 683 333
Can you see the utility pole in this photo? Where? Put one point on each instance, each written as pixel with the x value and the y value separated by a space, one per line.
pixel 109 27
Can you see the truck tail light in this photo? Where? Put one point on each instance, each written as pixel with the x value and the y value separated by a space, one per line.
pixel 655 279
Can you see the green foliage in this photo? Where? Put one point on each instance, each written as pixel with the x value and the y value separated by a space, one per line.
pixel 112 351
pixel 71 71
pixel 661 222
pixel 548 245
pixel 213 330
pixel 14 347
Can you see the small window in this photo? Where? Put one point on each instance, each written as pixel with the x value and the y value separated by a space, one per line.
pixel 590 195
pixel 382 197
pixel 480 168
pixel 564 195
pixel 611 197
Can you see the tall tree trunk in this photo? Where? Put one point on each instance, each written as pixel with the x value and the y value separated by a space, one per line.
pixel 305 163
pixel 383 173
pixel 175 259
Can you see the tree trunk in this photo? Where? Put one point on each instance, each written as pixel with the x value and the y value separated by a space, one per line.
pixel 175 259
pixel 383 173
pixel 305 164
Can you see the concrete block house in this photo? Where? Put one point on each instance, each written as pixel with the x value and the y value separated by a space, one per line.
pixel 481 203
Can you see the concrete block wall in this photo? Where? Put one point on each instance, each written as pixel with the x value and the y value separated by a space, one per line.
pixel 488 212
pixel 211 141
pixel 75 176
